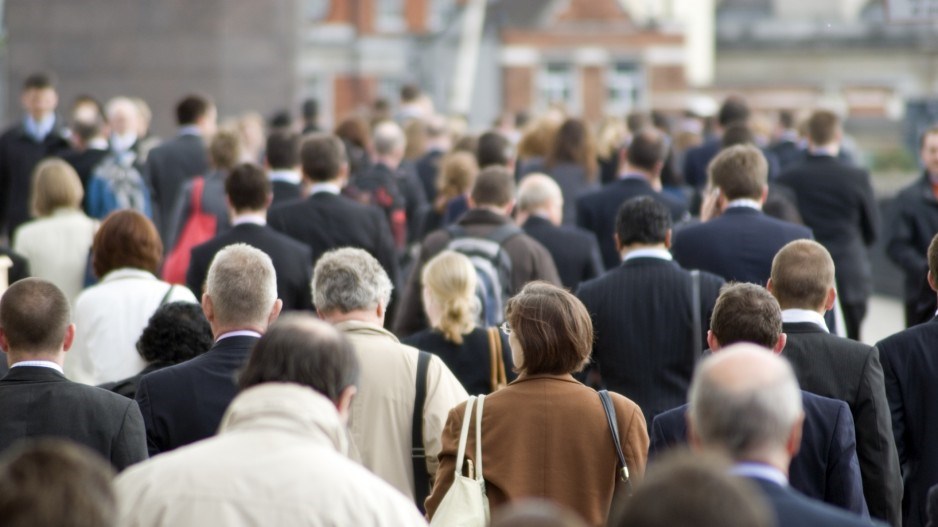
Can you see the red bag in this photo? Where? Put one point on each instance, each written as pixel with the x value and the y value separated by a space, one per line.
pixel 200 227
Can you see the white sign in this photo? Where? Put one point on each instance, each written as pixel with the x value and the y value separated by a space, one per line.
pixel 912 10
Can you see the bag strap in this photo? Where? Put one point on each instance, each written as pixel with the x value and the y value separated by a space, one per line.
pixel 695 310
pixel 614 429
pixel 481 401
pixel 198 185
pixel 503 233
pixel 464 435
pixel 418 454
pixel 498 377
pixel 166 296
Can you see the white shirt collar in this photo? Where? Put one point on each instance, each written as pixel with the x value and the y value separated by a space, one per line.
pixel 633 175
pixel 760 471
pixel 661 254
pixel 823 151
pixel 39 364
pixel 287 176
pixel 255 219
pixel 238 333
pixel 804 315
pixel 744 203
pixel 122 143
pixel 331 188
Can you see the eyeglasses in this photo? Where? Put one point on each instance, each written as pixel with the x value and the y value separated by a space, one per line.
pixel 506 329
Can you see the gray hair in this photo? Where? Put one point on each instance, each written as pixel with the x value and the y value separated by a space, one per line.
pixel 536 191
pixel 744 399
pixel 388 138
pixel 242 284
pixel 348 279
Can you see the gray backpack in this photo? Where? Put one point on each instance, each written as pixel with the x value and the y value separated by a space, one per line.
pixel 493 268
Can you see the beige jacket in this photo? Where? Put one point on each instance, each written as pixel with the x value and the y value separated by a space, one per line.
pixel 383 410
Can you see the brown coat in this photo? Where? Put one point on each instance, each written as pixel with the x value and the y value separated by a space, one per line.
pixel 546 436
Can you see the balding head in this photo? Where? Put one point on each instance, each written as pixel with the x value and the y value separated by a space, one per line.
pixel 540 194
pixel 803 276
pixel 647 151
pixel 389 142
pixel 35 320
pixel 241 290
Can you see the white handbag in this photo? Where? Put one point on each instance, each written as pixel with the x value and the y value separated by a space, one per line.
pixel 465 503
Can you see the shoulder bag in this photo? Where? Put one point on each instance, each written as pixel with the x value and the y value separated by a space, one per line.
pixel 498 376
pixel 465 503
pixel 614 429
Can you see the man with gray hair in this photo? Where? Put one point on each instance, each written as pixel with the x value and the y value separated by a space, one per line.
pixel 184 403
pixel 352 291
pixel 540 215
pixel 747 403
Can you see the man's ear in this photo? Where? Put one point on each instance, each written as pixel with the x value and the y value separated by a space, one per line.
pixel 931 282
pixel 769 286
pixel 667 238
pixel 4 344
pixel 344 405
pixel 275 311
pixel 69 337
pixel 765 194
pixel 692 438
pixel 712 341
pixel 615 237
pixel 831 299
pixel 780 344
pixel 208 308
pixel 793 444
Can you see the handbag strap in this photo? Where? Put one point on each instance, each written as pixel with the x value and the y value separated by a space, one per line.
pixel 614 429
pixel 498 376
pixel 481 401
pixel 695 311
pixel 464 435
pixel 418 454
pixel 165 298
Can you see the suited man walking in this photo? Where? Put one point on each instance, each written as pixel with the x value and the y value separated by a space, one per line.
pixel 36 399
pixel 803 282
pixel 282 155
pixel 184 403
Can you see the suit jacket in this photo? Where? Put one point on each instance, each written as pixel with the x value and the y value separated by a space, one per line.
pixel 698 158
pixel 913 226
pixel 546 436
pixel 597 211
pixel 284 191
pixel 642 318
pixel 36 401
pixel 574 250
pixel 792 509
pixel 572 180
pixel 169 166
pixel 428 167
pixel 292 261
pixel 739 245
pixel 844 369
pixel 184 403
pixel 836 201
pixel 826 467
pixel 911 371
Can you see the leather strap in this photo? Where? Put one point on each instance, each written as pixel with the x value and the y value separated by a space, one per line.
pixel 498 377
pixel 417 453
pixel 614 430
pixel 695 310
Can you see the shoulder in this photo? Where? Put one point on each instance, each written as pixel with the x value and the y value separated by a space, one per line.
pixel 914 340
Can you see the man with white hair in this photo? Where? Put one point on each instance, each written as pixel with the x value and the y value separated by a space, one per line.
pixel 184 403
pixel 747 403
pixel 540 214
pixel 123 119
pixel 351 290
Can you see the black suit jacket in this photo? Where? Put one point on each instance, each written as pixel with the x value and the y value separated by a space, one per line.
pixel 792 509
pixel 910 365
pixel 826 467
pixel 575 251
pixel 836 201
pixel 284 191
pixel 642 318
pixel 38 402
pixel 914 224
pixel 844 369
pixel 169 166
pixel 738 245
pixel 184 403
pixel 597 211
pixel 292 261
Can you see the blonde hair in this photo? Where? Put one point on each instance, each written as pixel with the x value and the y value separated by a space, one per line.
pixel 458 171
pixel 450 280
pixel 55 185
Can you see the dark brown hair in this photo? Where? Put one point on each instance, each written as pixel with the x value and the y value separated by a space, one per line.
pixel 34 315
pixel 126 238
pixel 739 171
pixel 283 150
pixel 746 313
pixel 647 149
pixel 354 130
pixel 191 108
pixel 322 156
pixel 823 126
pixel 574 143
pixel 802 274
pixel 247 187
pixel 494 186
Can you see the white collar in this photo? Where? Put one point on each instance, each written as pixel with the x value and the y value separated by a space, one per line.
pixel 238 333
pixel 123 142
pixel 829 151
pixel 661 254
pixel 633 175
pixel 287 176
pixel 39 364
pixel 804 315
pixel 127 272
pixel 254 219
pixel 331 188
pixel 760 471
pixel 744 203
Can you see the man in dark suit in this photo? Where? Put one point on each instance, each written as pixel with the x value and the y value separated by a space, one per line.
pixel 249 195
pixel 643 160
pixel 36 399
pixel 283 162
pixel 644 312
pixel 176 161
pixel 787 143
pixel 836 201
pixel 746 403
pixel 438 144
pixel 733 110
pixel 540 214
pixel 740 242
pixel 910 367
pixel 184 403
pixel 826 467
pixel 803 282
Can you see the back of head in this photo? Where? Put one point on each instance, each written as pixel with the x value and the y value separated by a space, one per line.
pixel 302 350
pixel 458 172
pixel 643 220
pixel 740 171
pixel 55 186
pixel 242 285
pixel 538 191
pixel 802 275
pixel 322 157
pixel 310 109
pixel 530 512
pixel 933 257
pixel 354 130
pixel 388 139
pixel 191 108
pixel 450 280
pixel 225 149
pixel 248 188
pixel 494 187
pixel 823 127
pixel 648 148
pixel 746 313
pixel 493 149
pixel 737 134
pixel 56 483
pixel 129 239
pixel 283 150
pixel 176 332
pixel 346 280
pixel 574 143
pixel 34 316
pixel 786 119
pixel 638 120
pixel 745 401
pixel 410 93
pixel 734 110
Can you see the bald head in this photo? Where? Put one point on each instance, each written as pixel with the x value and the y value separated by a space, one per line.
pixel 803 276
pixel 540 194
pixel 389 139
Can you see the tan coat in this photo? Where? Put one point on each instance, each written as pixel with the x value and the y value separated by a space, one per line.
pixel 547 436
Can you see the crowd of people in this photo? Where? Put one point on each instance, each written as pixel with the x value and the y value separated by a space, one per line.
pixel 263 322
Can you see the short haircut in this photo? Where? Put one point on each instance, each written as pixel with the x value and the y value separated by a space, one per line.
pixel 932 130
pixel 737 134
pixel 746 313
pixel 242 284
pixel 802 274
pixel 388 138
pixel 126 238
pixel 34 315
pixel 823 127
pixel 50 481
pixel 643 220
pixel 450 279
pixel 176 332
pixel 637 120
pixel 310 109
pixel 191 108
pixel 39 81
pixel 495 186
pixel 322 157
pixel 302 350
pixel 225 149
pixel 536 191
pixel 410 92
pixel 740 171
pixel 283 150
pixel 734 110
pixel 933 257
pixel 346 280
pixel 786 118
pixel 648 148
pixel 493 148
pixel 553 327
pixel 116 104
pixel 55 186
pixel 248 187
pixel 744 399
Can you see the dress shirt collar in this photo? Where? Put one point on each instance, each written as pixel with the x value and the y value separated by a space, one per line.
pixel 39 364
pixel 760 471
pixel 253 219
pixel 98 143
pixel 238 333
pixel 190 129
pixel 38 130
pixel 744 202
pixel 822 151
pixel 633 175
pixel 788 135
pixel 287 176
pixel 330 188
pixel 661 254
pixel 804 315
pixel 123 142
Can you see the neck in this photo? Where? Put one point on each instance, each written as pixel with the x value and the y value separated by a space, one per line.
pixel 492 208
pixel 241 213
pixel 339 182
pixel 57 357
pixel 369 316
pixel 39 116
pixel 220 329
pixel 778 459
pixel 636 246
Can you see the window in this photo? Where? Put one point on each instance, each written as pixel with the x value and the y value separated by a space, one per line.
pixel 316 10
pixel 624 87
pixel 556 85
pixel 389 17
pixel 441 14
